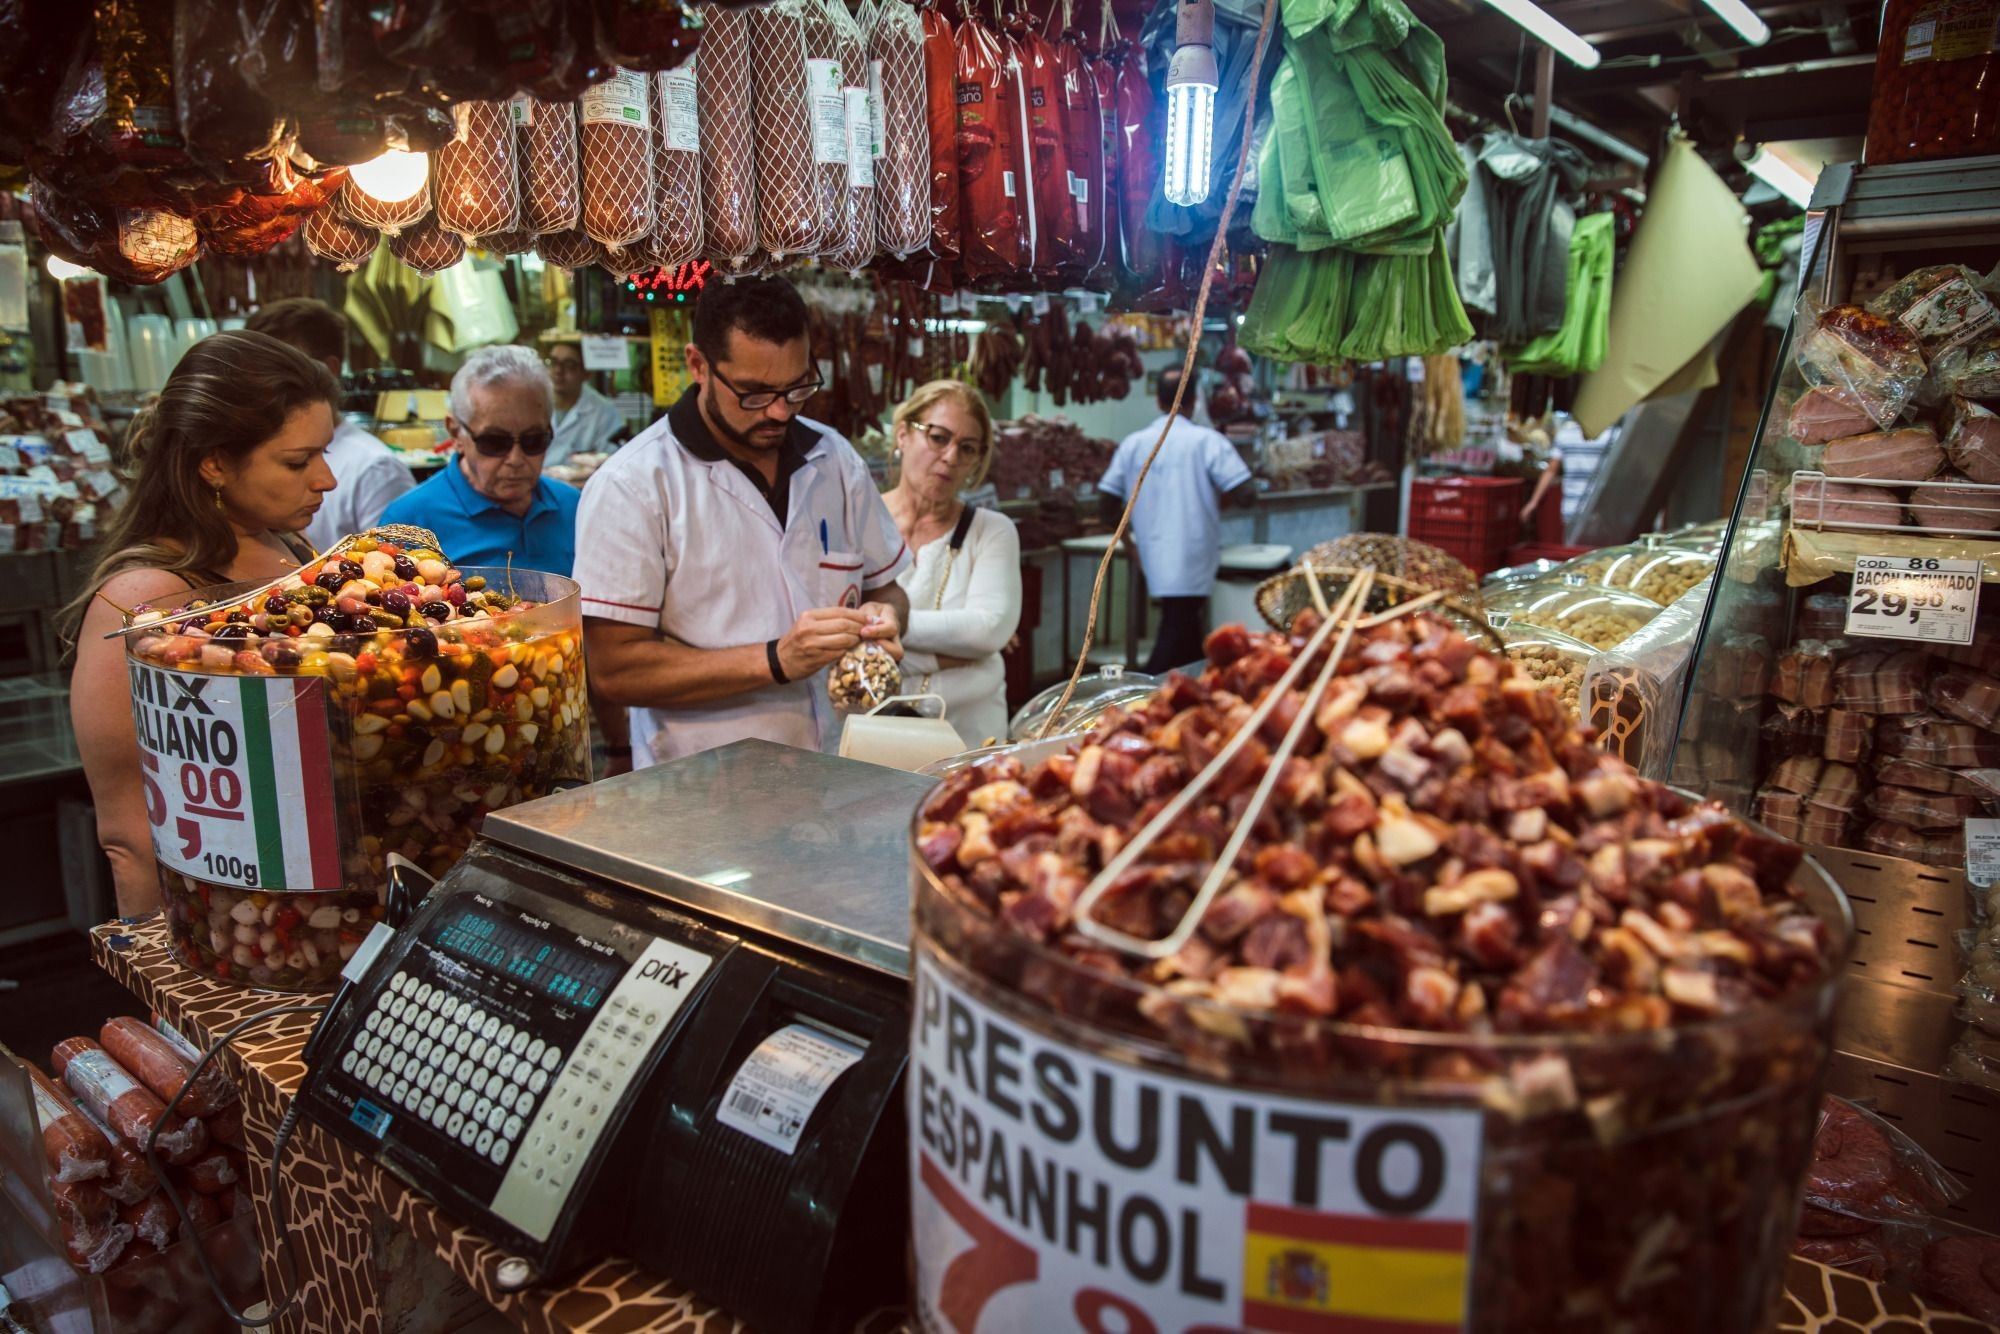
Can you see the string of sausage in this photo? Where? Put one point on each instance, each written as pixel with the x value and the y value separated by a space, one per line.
pixel 1187 376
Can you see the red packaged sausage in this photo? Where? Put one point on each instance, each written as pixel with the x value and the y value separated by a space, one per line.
pixel 120 1102
pixel 226 1126
pixel 1083 141
pixel 618 159
pixel 1103 276
pixel 545 148
pixel 76 1150
pixel 203 1213
pixel 1139 168
pixel 1045 152
pixel 212 1173
pixel 152 1220
pixel 96 1252
pixel 163 1067
pixel 993 242
pixel 131 1177
pixel 940 92
pixel 82 1207
pixel 475 176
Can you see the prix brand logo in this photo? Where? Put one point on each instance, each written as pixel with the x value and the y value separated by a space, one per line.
pixel 665 973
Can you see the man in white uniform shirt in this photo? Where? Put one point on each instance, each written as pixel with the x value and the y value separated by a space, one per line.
pixel 1177 524
pixel 734 550
pixel 585 420
pixel 367 475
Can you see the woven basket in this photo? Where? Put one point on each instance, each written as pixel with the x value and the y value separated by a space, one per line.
pixel 1400 558
pixel 1283 596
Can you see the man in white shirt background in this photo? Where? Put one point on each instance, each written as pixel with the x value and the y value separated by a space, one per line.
pixel 585 420
pixel 734 550
pixel 367 474
pixel 1177 525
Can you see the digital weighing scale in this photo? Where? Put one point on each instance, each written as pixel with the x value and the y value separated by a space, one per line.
pixel 664 1015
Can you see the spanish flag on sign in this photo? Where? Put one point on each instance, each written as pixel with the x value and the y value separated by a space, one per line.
pixel 1313 1273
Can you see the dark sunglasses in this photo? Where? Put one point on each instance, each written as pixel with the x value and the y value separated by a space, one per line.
pixel 534 442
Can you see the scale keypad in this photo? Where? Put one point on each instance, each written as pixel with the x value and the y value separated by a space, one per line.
pixel 578 1098
pixel 416 1051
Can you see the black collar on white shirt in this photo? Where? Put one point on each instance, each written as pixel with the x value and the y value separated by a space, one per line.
pixel 690 428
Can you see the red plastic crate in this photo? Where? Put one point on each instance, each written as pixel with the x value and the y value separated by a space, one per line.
pixel 1474 518
pixel 1532 551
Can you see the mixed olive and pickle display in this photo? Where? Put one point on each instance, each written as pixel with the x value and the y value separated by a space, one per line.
pixel 449 694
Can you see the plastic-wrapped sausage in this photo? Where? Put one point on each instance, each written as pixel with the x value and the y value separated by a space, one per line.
pixel 995 242
pixel 1045 156
pixel 164 1066
pixel 618 159
pixel 212 1173
pixel 474 177
pixel 852 243
pixel 76 1150
pixel 729 149
pixel 941 111
pixel 900 138
pixel 120 1102
pixel 152 1221
pixel 132 1178
pixel 95 1252
pixel 1103 275
pixel 545 146
pixel 333 236
pixel 1083 142
pixel 568 250
pixel 791 216
pixel 203 1213
pixel 82 1208
pixel 427 247
pixel 226 1126
pixel 518 242
pixel 676 166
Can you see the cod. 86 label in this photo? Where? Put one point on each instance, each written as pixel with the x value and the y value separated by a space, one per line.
pixel 238 777
pixel 1054 1189
pixel 1914 597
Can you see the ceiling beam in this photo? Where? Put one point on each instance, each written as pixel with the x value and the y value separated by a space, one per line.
pixel 1603 20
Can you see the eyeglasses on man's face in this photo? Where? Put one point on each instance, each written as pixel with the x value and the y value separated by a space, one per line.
pixel 756 400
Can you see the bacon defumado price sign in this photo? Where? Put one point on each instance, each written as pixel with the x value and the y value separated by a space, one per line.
pixel 238 776
pixel 1052 1188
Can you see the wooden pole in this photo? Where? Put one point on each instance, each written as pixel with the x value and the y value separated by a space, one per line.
pixel 1545 84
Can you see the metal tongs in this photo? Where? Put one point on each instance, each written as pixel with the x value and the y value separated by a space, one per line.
pixel 1344 617
pixel 404 535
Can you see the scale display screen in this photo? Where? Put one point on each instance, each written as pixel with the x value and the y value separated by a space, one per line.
pixel 561 972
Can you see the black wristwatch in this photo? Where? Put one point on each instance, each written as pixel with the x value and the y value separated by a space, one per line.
pixel 778 676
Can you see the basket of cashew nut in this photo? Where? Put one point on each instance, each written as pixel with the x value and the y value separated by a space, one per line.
pixel 1548 658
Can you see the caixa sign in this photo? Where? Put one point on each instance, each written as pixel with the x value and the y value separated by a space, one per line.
pixel 1055 1189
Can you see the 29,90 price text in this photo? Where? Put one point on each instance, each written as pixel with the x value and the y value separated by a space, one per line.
pixel 1914 597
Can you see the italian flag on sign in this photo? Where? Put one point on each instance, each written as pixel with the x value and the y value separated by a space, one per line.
pixel 286 747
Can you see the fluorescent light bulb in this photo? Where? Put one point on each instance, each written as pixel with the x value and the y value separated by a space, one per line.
pixel 1192 80
pixel 1739 16
pixel 1543 26
pixel 1782 175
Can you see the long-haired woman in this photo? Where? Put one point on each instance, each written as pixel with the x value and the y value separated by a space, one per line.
pixel 223 472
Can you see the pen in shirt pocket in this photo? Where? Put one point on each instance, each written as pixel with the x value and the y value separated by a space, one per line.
pixel 825 545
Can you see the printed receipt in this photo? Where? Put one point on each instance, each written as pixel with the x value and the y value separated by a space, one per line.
pixel 774 1093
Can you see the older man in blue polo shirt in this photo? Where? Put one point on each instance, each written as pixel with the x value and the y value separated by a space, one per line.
pixel 491 503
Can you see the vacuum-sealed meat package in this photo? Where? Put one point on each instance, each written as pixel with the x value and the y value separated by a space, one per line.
pixel 1104 275
pixel 164 1067
pixel 119 1101
pixel 76 1149
pixel 1083 147
pixel 551 178
pixel 1145 250
pixel 1970 369
pixel 1782 812
pixel 1823 504
pixel 1796 774
pixel 1045 153
pixel 792 214
pixel 1839 789
pixel 1864 1168
pixel 1910 454
pixel 901 138
pixel 335 237
pixel 475 177
pixel 677 233
pixel 1969 695
pixel 1944 508
pixel 1825 414
pixel 723 101
pixel 1928 778
pixel 1881 681
pixel 1805 674
pixel 826 83
pixel 1936 740
pixel 1972 440
pixel 994 240
pixel 1941 305
pixel 1849 735
pixel 941 111
pixel 618 159
pixel 1873 361
pixel 1921 810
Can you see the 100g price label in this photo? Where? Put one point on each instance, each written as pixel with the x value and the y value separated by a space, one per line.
pixel 1914 597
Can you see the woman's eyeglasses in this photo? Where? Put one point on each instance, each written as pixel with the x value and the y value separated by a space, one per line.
pixel 534 442
pixel 941 440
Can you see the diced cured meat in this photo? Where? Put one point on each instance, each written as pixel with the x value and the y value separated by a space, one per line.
pixel 1907 455
pixel 1824 414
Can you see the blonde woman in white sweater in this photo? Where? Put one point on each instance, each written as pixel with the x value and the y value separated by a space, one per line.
pixel 965 582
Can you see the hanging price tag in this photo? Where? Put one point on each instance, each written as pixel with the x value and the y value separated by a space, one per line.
pixel 1914 597
pixel 1982 852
